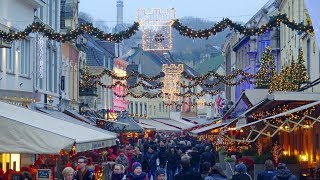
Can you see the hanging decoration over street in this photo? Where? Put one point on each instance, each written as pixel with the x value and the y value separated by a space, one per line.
pixel 227 23
pixel 156 28
pixel 170 86
pixel 156 38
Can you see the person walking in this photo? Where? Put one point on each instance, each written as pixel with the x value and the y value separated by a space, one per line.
pixel 269 171
pixel 187 173
pixel 137 173
pixel 83 172
pixel 118 172
pixel 241 173
pixel 122 159
pixel 160 174
pixel 68 173
pixel 283 173
pixel 216 173
pixel 173 159
pixel 151 158
pixel 195 159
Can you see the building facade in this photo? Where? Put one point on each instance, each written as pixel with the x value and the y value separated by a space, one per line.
pixel 291 41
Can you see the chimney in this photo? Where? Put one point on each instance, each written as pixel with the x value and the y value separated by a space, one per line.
pixel 119 12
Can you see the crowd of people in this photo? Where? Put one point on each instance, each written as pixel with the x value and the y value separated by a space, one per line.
pixel 171 159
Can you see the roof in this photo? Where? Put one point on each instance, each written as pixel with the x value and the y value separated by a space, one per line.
pixel 108 46
pixel 158 125
pixel 96 50
pixel 49 134
pixel 208 128
pixel 133 126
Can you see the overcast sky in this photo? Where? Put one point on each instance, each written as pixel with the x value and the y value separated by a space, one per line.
pixel 237 10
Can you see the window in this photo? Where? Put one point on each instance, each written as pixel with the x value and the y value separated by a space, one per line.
pixel 25 58
pixel 136 106
pixel 10 58
pixel 49 70
pixel 145 109
pixel 141 109
pixel 131 107
pixel 308 57
pixel 55 71
pixel 264 44
pixel 1 59
pixel 159 107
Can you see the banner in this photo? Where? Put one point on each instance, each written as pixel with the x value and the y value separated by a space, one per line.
pixel 313 7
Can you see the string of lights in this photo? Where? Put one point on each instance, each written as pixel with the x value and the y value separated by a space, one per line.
pixel 160 94
pixel 227 23
pixel 187 103
pixel 37 27
pixel 119 83
pixel 222 78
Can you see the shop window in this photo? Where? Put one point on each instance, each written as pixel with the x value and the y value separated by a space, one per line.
pixel 10 161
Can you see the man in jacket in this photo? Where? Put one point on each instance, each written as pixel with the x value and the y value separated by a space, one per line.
pixel 269 171
pixel 283 173
pixel 83 172
pixel 187 173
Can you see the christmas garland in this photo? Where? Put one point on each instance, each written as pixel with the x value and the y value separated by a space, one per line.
pixel 37 27
pixel 188 103
pixel 227 23
pixel 140 83
pixel 160 94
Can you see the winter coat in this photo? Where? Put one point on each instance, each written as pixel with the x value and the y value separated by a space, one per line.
pixel 88 175
pixel 188 174
pixel 117 176
pixel 241 176
pixel 195 157
pixel 123 160
pixel 208 157
pixel 142 176
pixel 215 177
pixel 173 160
pixel 284 174
pixel 266 175
pixel 151 159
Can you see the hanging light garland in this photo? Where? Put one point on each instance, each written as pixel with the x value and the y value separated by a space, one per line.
pixel 37 27
pixel 119 83
pixel 227 23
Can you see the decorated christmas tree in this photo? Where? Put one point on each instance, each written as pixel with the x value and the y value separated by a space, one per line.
pixel 266 71
pixel 302 76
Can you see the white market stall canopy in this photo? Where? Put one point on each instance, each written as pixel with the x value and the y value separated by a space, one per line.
pixel 26 131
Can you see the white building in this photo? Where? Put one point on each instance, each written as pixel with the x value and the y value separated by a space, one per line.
pixel 47 78
pixel 17 65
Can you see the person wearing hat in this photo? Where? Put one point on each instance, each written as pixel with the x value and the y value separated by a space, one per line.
pixel 160 174
pixel 284 173
pixel 137 173
pixel 241 173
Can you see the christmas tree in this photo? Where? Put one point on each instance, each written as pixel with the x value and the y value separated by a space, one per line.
pixel 302 76
pixel 266 71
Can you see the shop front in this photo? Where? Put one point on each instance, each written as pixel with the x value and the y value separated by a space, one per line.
pixel 32 140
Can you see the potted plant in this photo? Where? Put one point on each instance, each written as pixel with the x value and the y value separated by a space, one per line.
pixel 222 153
pixel 230 165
